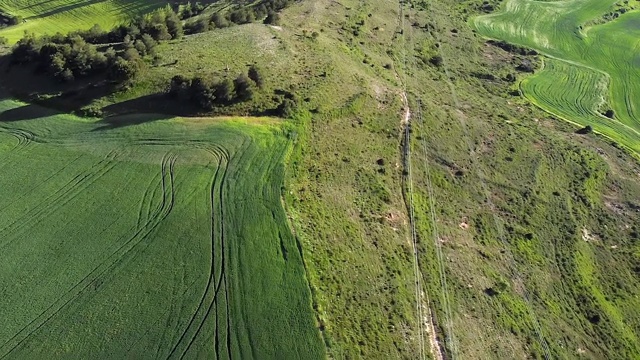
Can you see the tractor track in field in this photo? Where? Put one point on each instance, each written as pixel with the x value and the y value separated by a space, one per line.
pixel 57 199
pixel 217 237
pixel 108 264
pixel 30 191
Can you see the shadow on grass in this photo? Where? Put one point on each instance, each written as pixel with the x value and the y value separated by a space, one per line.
pixel 26 112
pixel 120 121
pixel 66 8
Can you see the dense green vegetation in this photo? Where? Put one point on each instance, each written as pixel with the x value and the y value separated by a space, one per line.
pixel 144 236
pixel 592 68
pixel 526 232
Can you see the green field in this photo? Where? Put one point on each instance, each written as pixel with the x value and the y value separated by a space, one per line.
pixel 50 17
pixel 589 69
pixel 147 237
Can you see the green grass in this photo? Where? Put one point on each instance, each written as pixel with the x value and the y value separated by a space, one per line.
pixel 49 17
pixel 591 68
pixel 159 237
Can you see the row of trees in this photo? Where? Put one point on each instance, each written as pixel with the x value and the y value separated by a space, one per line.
pixel 77 58
pixel 73 56
pixel 265 11
pixel 207 93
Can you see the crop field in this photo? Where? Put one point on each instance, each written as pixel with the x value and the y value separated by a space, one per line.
pixel 590 68
pixel 50 17
pixel 147 237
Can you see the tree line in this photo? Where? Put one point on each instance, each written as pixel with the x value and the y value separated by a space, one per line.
pixel 208 93
pixel 75 55
pixel 265 11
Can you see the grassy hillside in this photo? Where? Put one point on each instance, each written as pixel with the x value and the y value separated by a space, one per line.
pixel 501 233
pixel 148 237
pixel 592 68
pixel 519 221
pixel 50 17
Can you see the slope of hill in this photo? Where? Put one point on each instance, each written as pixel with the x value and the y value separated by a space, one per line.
pixel 439 213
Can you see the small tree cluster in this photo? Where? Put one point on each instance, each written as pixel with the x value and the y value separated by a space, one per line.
pixel 207 93
pixel 190 10
pixel 75 58
pixel 265 11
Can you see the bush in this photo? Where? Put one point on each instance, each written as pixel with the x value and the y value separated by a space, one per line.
pixel 219 21
pixel 437 60
pixel 224 91
pixel 122 70
pixel 287 108
pixel 243 88
pixel 255 74
pixel 273 18
pixel 610 114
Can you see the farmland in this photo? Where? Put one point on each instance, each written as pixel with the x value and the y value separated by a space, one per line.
pixel 592 66
pixel 50 17
pixel 147 235
pixel 487 229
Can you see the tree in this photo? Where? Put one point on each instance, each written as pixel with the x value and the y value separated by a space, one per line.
pixel 273 18
pixel 224 91
pixel 174 24
pixel 610 113
pixel 180 87
pixel 286 108
pixel 219 21
pixel 437 60
pixel 140 47
pixel 27 49
pixel 149 43
pixel 57 65
pixel 255 74
pixel 159 32
pixel 199 26
pixel 585 130
pixel 243 88
pixel 67 75
pixel 202 93
pixel 122 70
pixel 131 55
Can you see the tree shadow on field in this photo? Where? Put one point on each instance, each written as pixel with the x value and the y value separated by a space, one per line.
pixel 65 8
pixel 26 112
pixel 119 121
pixel 136 111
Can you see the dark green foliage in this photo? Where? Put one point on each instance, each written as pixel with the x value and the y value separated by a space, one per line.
pixel 243 90
pixel 174 24
pixel 123 70
pixel 199 26
pixel 273 18
pixel 255 74
pixel 224 91
pixel 287 108
pixel 219 21
pixel 585 130
pixel 159 32
pixel 207 93
pixel 202 93
pixel 180 87
pixel 610 113
pixel 436 60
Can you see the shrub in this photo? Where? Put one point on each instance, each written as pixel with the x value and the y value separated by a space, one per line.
pixel 273 18
pixel 436 60
pixel 242 87
pixel 255 74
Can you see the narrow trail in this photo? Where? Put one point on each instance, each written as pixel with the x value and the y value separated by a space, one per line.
pixel 426 318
